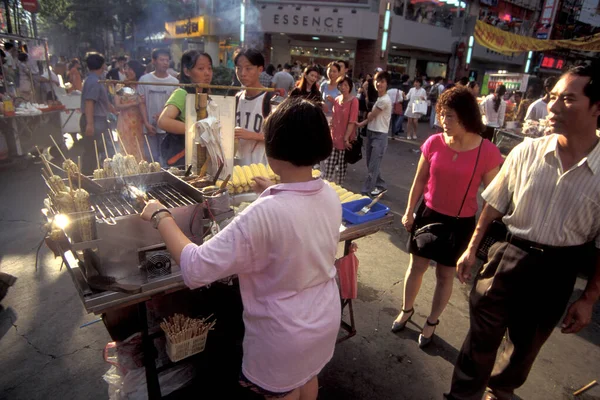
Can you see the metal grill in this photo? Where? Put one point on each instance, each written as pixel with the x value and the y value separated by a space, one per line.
pixel 118 204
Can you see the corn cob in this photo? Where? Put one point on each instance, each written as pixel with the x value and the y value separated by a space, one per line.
pixel 230 187
pixel 107 166
pixel 272 175
pixel 144 167
pixel 263 170
pixel 341 191
pixel 64 203
pixel 70 167
pixel 352 198
pixel 131 165
pixel 98 173
pixel 255 170
pixel 154 167
pixel 249 174
pixel 84 223
pixel 240 173
pixel 346 196
pixel 235 178
pixel 57 183
pixel 316 173
pixel 118 165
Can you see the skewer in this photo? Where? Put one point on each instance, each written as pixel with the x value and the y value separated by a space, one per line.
pixel 122 144
pixel 196 85
pixel 140 150
pixel 59 150
pixel 79 174
pixel 105 149
pixel 44 161
pixel 113 143
pixel 55 166
pixel 149 149
pixel 583 389
pixel 97 157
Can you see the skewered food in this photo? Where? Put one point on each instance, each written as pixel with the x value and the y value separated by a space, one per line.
pixel 70 167
pixel 131 165
pixel 108 168
pixel 154 167
pixel 81 199
pixel 57 184
pixel 98 173
pixel 64 202
pixel 118 164
pixel 144 167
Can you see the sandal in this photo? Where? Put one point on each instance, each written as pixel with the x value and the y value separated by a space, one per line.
pixel 397 326
pixel 425 341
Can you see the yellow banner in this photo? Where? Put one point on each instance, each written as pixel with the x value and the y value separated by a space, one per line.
pixel 192 27
pixel 509 43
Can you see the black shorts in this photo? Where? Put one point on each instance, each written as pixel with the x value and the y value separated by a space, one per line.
pixel 463 230
pixel 245 382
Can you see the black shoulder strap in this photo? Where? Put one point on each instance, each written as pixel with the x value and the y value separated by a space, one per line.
pixel 471 181
pixel 266 104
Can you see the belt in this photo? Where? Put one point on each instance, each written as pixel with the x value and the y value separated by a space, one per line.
pixel 541 249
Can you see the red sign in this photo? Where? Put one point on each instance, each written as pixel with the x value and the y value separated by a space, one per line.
pixel 552 63
pixel 30 5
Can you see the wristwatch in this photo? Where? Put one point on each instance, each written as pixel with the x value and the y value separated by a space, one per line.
pixel 158 216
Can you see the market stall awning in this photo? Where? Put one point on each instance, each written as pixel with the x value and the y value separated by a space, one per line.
pixel 509 43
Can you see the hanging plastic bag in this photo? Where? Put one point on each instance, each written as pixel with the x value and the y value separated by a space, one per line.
pixel 347 268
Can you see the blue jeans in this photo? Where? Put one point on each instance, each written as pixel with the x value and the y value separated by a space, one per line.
pixel 396 125
pixel 375 147
pixel 155 142
pixel 432 117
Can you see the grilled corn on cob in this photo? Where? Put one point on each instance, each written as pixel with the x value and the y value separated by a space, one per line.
pixel 255 170
pixel 98 173
pixel 70 167
pixel 64 202
pixel 144 167
pixel 57 184
pixel 131 165
pixel 248 173
pixel 107 166
pixel 263 170
pixel 154 167
pixel 240 173
pixel 118 165
pixel 81 199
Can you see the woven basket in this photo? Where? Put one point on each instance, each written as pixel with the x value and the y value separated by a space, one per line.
pixel 179 351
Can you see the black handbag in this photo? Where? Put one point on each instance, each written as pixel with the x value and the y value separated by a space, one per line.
pixel 354 155
pixel 438 236
pixel 496 232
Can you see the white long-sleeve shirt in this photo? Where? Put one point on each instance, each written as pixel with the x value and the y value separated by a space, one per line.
pixel 494 119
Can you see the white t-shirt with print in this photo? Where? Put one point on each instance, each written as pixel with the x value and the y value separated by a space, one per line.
pixel 381 123
pixel 249 116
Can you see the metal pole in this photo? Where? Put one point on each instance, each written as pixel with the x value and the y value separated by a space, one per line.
pixel 198 85
pixel 7 10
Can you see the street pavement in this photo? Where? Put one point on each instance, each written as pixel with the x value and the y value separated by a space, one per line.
pixel 45 354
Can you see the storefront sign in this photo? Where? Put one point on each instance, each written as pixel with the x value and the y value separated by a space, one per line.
pixel 510 43
pixel 552 63
pixel 192 27
pixel 30 5
pixel 326 22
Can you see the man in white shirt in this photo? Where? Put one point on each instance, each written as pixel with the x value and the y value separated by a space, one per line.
pixel 378 125
pixel 283 80
pixel 155 97
pixel 252 107
pixel 397 97
pixel 539 108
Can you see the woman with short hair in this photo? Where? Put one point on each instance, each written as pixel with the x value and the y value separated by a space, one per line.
pixel 453 165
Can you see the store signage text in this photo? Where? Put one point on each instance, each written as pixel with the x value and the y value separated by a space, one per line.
pixel 321 24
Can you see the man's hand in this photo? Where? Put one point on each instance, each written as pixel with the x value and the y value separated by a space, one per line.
pixel 579 315
pixel 150 129
pixel 151 207
pixel 261 184
pixel 245 134
pixel 465 265
pixel 89 130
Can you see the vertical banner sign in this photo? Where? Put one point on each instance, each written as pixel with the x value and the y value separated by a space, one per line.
pixel 30 5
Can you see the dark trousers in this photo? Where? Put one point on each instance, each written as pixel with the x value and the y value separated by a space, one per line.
pixel 518 296
pixel 88 159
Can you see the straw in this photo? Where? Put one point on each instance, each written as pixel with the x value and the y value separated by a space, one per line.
pixel 149 149
pixel 105 149
pixel 79 174
pixel 139 149
pixel 113 143
pixel 59 150
pixel 122 144
pixel 44 161
pixel 97 157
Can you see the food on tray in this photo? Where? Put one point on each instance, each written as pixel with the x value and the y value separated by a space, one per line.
pixel 70 167
pixel 81 199
pixel 154 167
pixel 144 167
pixel 98 173
pixel 57 184
pixel 64 202
pixel 131 165
pixel 107 165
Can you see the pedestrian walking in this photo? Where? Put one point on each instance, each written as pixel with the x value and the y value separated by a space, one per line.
pixel 378 125
pixel 284 80
pixel 547 195
pixel 434 93
pixel 416 93
pixel 278 278
pixel 196 67
pixel 307 86
pixel 128 102
pixel 156 96
pixel 266 77
pixel 452 166
pixel 539 108
pixel 329 88
pixel 343 131
pixel 494 109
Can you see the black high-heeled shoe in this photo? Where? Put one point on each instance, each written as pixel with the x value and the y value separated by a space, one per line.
pixel 398 326
pixel 426 341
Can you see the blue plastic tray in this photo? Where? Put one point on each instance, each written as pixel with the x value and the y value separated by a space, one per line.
pixel 350 209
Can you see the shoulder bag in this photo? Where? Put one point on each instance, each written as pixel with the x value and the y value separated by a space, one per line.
pixel 353 155
pixel 439 237
pixel 398 109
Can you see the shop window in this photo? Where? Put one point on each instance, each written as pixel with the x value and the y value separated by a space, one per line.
pixel 434 12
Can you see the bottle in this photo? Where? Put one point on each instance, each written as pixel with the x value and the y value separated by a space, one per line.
pixel 9 107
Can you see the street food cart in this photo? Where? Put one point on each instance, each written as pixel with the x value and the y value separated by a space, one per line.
pixel 122 270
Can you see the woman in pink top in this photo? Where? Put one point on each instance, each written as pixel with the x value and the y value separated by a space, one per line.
pixel 343 131
pixel 291 300
pixel 451 162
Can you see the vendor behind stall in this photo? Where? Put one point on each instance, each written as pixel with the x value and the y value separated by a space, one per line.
pixel 196 67
pixel 291 300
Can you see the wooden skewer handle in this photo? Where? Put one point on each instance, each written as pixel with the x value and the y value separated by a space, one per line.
pixel 586 387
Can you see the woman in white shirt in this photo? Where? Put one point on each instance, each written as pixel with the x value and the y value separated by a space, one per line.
pixel 494 108
pixel 414 94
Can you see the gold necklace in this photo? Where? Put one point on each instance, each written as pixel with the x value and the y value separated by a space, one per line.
pixel 455 157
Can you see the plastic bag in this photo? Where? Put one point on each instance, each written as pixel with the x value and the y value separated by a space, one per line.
pixel 347 268
pixel 132 385
pixel 128 355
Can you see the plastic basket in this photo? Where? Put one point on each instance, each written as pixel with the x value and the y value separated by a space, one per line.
pixel 179 351
pixel 350 209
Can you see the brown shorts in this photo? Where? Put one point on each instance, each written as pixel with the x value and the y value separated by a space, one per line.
pixel 245 382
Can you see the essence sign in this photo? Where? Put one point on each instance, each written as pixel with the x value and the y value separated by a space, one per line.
pixel 313 24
